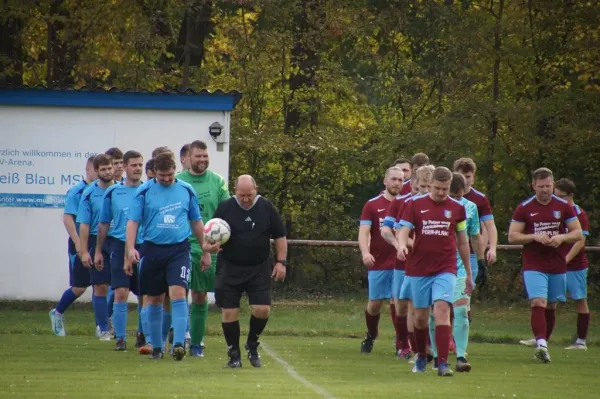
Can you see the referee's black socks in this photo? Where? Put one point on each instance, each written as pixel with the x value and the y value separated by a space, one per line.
pixel 231 331
pixel 256 328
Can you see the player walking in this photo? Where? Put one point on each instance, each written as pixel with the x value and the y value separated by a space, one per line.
pixel 79 276
pixel 168 211
pixel 111 229
pixel 211 190
pixel 377 254
pixel 539 224
pixel 87 217
pixel 439 223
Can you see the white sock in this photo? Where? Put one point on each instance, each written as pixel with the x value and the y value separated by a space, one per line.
pixel 580 341
pixel 542 342
pixel 187 335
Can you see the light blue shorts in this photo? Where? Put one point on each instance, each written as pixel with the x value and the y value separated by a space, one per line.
pixel 426 290
pixel 405 290
pixel 397 283
pixel 577 284
pixel 380 284
pixel 474 267
pixel 550 286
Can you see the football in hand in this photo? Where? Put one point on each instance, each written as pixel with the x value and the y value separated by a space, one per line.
pixel 217 231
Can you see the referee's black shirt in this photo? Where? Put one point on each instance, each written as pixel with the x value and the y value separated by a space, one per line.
pixel 251 230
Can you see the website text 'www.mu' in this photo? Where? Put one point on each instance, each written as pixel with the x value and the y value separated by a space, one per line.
pixel 39 200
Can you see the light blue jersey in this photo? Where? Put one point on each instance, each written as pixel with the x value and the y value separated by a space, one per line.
pixel 165 212
pixel 73 199
pixel 473 228
pixel 115 208
pixel 90 206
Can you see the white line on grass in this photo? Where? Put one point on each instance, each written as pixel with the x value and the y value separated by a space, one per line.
pixel 291 371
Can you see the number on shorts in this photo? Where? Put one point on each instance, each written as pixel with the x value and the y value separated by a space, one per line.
pixel 185 273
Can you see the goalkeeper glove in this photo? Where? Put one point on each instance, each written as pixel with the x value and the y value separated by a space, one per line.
pixel 482 273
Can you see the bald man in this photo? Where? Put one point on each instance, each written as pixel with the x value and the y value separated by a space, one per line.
pixel 244 265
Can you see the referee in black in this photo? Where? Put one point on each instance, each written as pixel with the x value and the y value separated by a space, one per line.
pixel 244 264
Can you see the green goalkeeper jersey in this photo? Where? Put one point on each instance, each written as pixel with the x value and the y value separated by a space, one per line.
pixel 211 190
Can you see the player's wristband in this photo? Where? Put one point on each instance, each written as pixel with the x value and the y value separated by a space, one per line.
pixel 283 262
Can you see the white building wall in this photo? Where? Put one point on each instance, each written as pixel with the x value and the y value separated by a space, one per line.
pixel 33 241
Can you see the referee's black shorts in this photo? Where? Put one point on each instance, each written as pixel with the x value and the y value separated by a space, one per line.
pixel 231 281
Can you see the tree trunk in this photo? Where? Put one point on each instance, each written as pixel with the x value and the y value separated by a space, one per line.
pixel 305 62
pixel 187 51
pixel 196 27
pixel 302 109
pixel 62 56
pixel 491 150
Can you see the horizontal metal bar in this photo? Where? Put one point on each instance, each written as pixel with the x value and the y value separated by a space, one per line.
pixel 330 243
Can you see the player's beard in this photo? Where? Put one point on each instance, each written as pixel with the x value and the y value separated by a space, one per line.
pixel 393 191
pixel 106 179
pixel 200 167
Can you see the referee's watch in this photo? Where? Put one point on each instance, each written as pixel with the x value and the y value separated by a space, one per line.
pixel 283 262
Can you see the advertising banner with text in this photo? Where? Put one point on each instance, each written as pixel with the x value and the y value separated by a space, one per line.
pixel 37 173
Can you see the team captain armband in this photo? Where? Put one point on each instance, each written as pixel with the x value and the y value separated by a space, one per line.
pixel 461 226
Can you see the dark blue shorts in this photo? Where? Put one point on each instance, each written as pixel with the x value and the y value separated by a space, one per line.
pixel 100 277
pixel 118 278
pixel 79 276
pixel 163 266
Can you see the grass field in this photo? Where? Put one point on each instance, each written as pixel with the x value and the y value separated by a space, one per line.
pixel 310 350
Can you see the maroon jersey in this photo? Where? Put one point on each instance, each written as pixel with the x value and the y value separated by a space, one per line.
pixel 391 217
pixel 580 261
pixel 549 219
pixel 373 214
pixel 435 225
pixel 405 188
pixel 484 209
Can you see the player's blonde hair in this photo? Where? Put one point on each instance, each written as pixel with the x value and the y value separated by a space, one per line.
pixel 425 174
pixel 395 169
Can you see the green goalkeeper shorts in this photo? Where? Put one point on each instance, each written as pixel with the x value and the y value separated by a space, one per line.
pixel 202 281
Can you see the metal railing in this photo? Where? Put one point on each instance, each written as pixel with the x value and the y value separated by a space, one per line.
pixel 331 243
